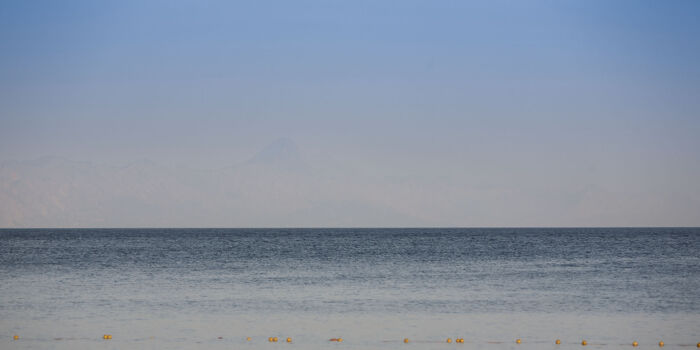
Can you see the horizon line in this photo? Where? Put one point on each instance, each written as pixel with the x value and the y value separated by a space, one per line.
pixel 334 227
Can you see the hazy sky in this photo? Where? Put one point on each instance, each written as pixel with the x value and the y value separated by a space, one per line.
pixel 531 97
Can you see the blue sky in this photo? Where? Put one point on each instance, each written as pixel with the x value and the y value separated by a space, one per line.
pixel 602 93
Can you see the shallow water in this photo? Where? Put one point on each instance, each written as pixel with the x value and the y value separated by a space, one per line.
pixel 184 288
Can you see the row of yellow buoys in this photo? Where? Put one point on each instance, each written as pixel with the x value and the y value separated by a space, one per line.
pixel 405 340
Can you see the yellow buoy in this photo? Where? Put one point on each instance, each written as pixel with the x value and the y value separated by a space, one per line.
pixel 698 345
pixel 289 340
pixel 461 340
pixel 449 340
pixel 661 344
pixel 557 342
pixel 340 340
pixel 634 343
pixel 247 339
pixel 518 341
pixel 16 337
pixel 405 340
pixel 274 339
pixel 584 343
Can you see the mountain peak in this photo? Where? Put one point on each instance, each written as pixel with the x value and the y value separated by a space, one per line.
pixel 281 152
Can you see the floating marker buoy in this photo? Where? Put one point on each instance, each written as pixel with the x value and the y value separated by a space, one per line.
pixel 449 340
pixel 269 339
pixel 461 340
pixel 274 339
pixel 634 343
pixel 557 342
pixel 289 340
pixel 107 336
pixel 247 339
pixel 584 343
pixel 661 344
pixel 16 337
pixel 405 340
pixel 518 341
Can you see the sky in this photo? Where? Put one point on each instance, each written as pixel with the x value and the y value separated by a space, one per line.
pixel 443 113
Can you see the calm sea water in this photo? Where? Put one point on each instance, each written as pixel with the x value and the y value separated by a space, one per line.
pixel 185 288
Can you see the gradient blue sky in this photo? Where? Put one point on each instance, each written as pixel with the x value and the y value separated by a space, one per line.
pixel 524 93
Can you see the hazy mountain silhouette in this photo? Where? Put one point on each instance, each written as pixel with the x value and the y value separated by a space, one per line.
pixel 277 188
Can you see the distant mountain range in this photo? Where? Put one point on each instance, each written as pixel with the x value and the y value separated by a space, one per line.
pixel 279 187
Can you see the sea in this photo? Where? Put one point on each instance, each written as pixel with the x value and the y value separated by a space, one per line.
pixel 374 288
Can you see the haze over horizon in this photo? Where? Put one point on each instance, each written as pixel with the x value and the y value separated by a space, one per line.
pixel 310 114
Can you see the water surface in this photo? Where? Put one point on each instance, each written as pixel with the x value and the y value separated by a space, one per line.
pixel 184 288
